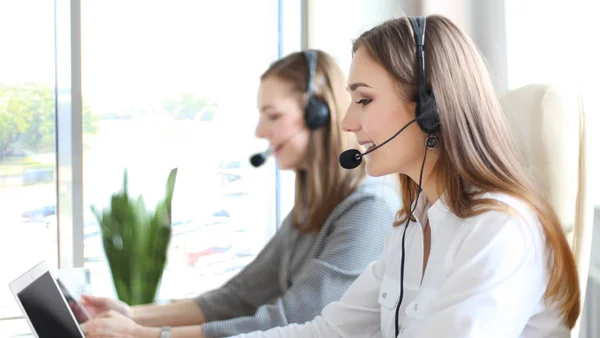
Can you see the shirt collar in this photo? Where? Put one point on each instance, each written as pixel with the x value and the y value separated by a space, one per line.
pixel 426 211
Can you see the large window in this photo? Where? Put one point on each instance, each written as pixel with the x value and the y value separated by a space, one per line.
pixel 165 84
pixel 27 141
pixel 173 84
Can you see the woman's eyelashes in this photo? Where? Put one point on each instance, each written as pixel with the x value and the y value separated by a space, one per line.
pixel 364 102
pixel 273 117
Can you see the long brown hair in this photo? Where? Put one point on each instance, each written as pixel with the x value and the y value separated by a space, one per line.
pixel 325 184
pixel 477 149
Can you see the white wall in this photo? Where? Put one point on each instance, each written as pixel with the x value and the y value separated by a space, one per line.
pixel 334 24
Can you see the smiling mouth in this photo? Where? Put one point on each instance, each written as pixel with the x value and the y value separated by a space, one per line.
pixel 368 146
pixel 277 148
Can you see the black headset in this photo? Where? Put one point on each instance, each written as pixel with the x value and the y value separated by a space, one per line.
pixel 427 110
pixel 428 119
pixel 316 112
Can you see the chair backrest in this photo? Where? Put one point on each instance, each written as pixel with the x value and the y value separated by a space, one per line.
pixel 549 126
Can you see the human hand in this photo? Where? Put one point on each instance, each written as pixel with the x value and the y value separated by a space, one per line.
pixel 110 324
pixel 98 305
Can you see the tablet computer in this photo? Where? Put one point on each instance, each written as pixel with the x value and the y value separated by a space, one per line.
pixel 43 304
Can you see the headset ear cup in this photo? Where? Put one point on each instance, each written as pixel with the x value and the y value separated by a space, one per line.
pixel 316 114
pixel 428 117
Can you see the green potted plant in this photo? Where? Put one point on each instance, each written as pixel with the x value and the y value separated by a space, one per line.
pixel 136 241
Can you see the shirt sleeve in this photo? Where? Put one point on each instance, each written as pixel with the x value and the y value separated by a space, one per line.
pixel 497 280
pixel 354 242
pixel 247 290
pixel 355 315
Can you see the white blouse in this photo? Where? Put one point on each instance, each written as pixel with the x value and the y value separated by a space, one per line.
pixel 485 277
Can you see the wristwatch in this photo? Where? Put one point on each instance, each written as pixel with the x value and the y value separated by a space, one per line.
pixel 165 332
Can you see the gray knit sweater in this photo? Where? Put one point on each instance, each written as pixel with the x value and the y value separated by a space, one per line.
pixel 296 274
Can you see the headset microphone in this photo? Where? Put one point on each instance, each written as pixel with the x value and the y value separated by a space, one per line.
pixel 352 158
pixel 259 159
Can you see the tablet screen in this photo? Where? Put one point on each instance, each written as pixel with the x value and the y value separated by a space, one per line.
pixel 47 311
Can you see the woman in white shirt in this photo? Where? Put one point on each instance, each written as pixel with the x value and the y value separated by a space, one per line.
pixel 483 254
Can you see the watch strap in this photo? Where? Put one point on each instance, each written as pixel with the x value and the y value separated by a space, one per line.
pixel 165 332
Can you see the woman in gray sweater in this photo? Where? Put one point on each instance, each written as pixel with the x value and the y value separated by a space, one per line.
pixel 339 222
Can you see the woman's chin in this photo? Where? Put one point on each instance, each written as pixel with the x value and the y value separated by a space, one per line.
pixel 284 164
pixel 374 170
pixel 283 167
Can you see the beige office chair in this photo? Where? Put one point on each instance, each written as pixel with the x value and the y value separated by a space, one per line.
pixel 549 126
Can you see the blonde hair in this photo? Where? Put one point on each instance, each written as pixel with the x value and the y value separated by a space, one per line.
pixel 477 149
pixel 325 184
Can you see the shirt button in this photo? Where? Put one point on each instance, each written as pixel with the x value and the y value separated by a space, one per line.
pixel 384 295
pixel 402 329
pixel 416 306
